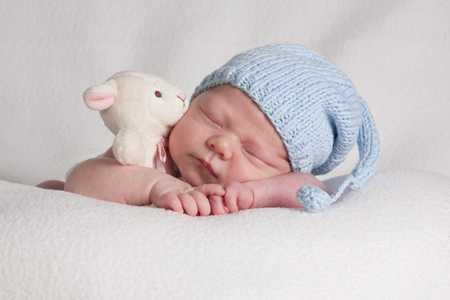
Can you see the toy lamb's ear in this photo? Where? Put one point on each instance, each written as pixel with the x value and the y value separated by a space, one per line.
pixel 98 100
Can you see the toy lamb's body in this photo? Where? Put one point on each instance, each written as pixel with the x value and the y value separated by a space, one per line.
pixel 141 110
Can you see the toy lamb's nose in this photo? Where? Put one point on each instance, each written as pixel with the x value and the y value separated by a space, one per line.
pixel 182 96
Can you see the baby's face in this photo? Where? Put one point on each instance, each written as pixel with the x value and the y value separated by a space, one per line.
pixel 224 136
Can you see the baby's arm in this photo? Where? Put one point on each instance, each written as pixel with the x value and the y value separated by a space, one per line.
pixel 105 179
pixel 281 191
pixel 278 191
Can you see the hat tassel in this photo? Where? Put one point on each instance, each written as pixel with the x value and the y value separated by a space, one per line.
pixel 316 200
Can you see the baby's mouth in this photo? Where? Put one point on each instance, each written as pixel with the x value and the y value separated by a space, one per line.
pixel 208 168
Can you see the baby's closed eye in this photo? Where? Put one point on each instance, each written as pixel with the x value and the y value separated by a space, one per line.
pixel 252 156
pixel 212 120
pixel 213 115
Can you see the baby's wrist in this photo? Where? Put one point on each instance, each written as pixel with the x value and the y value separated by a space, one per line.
pixel 161 184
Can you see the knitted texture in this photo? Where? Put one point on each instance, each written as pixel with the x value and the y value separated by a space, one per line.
pixel 314 107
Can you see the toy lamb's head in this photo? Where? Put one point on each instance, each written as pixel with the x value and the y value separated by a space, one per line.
pixel 143 103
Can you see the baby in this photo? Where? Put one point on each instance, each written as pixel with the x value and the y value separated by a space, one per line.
pixel 257 131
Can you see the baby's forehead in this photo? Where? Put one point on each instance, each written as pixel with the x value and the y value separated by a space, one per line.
pixel 229 97
pixel 225 93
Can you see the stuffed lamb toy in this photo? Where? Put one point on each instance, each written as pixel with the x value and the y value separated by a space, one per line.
pixel 140 110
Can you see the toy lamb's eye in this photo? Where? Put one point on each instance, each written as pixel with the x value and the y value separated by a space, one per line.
pixel 158 94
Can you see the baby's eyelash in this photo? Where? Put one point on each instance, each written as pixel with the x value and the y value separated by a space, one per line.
pixel 211 121
pixel 251 154
pixel 248 152
pixel 215 123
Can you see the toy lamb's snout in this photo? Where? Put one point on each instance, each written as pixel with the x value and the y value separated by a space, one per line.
pixel 141 110
pixel 182 96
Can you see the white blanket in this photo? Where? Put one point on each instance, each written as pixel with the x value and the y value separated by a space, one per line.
pixel 389 240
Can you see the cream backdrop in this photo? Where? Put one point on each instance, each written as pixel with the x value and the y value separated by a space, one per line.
pixel 395 52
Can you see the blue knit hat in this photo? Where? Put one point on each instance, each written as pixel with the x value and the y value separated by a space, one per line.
pixel 313 106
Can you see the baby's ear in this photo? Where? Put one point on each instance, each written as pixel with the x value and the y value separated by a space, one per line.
pixel 98 100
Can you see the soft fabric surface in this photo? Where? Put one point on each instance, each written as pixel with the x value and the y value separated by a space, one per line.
pixel 395 52
pixel 389 240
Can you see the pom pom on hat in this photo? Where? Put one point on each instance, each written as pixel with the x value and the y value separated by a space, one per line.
pixel 313 106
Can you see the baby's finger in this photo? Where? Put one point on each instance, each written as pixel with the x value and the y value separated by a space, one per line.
pixel 173 203
pixel 217 206
pixel 210 189
pixel 203 205
pixel 189 204
pixel 231 199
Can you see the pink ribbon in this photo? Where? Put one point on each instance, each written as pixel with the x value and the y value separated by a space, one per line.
pixel 162 163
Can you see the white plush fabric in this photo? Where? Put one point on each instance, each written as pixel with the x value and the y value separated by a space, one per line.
pixel 389 240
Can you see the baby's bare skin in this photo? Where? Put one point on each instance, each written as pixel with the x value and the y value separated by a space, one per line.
pixel 226 149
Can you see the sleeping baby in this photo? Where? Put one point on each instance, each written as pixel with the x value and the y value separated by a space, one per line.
pixel 257 132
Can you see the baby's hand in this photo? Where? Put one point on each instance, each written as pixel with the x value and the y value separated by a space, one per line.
pixel 238 196
pixel 181 197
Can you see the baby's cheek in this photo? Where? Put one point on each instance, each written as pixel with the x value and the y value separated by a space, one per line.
pixel 245 171
pixel 175 143
pixel 174 155
pixel 241 171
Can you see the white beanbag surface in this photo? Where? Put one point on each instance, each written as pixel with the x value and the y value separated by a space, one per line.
pixel 388 240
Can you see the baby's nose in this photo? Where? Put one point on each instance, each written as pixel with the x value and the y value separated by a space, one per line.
pixel 224 144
